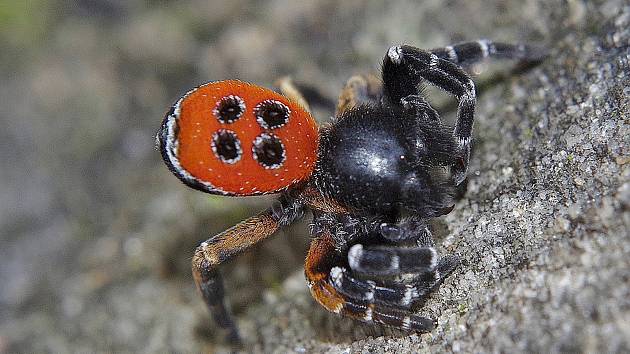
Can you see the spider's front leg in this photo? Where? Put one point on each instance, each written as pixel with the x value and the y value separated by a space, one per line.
pixel 369 298
pixel 406 67
pixel 321 272
pixel 411 254
pixel 226 245
pixel 468 53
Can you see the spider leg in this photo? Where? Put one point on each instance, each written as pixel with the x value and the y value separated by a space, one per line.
pixel 408 229
pixel 319 264
pixel 306 95
pixel 359 89
pixel 418 267
pixel 420 108
pixel 401 295
pixel 385 261
pixel 288 89
pixel 471 52
pixel 406 67
pixel 231 242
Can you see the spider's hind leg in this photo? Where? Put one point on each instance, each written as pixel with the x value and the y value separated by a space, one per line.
pixel 287 87
pixel 359 89
pixel 224 246
pixel 306 95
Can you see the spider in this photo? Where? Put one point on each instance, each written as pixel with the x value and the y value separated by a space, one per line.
pixel 372 178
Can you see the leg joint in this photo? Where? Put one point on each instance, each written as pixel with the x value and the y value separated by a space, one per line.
pixel 395 54
pixel 204 262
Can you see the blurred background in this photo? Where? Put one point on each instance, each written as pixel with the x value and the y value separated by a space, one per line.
pixel 96 235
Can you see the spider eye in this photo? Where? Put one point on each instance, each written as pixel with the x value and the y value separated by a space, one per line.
pixel 226 146
pixel 272 114
pixel 229 109
pixel 269 151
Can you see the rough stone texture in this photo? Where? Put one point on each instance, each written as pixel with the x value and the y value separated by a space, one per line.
pixel 96 235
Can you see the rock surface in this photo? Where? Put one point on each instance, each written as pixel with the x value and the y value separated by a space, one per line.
pixel 96 236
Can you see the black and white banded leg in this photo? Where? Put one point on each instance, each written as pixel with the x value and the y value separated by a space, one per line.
pixel 377 284
pixel 400 295
pixel 393 278
pixel 471 52
pixel 321 269
pixel 385 301
pixel 420 108
pixel 391 260
pixel 406 67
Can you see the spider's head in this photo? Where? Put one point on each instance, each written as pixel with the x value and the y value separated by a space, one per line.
pixel 377 160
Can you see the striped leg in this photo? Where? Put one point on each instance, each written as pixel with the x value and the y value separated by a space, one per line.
pixel 226 245
pixel 321 261
pixel 417 268
pixel 401 295
pixel 406 67
pixel 471 52
pixel 390 261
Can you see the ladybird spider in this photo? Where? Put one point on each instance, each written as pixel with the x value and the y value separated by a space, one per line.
pixel 372 178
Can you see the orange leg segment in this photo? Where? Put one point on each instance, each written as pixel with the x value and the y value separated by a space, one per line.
pixel 317 271
pixel 219 249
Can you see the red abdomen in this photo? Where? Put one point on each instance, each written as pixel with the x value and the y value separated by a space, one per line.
pixel 234 138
